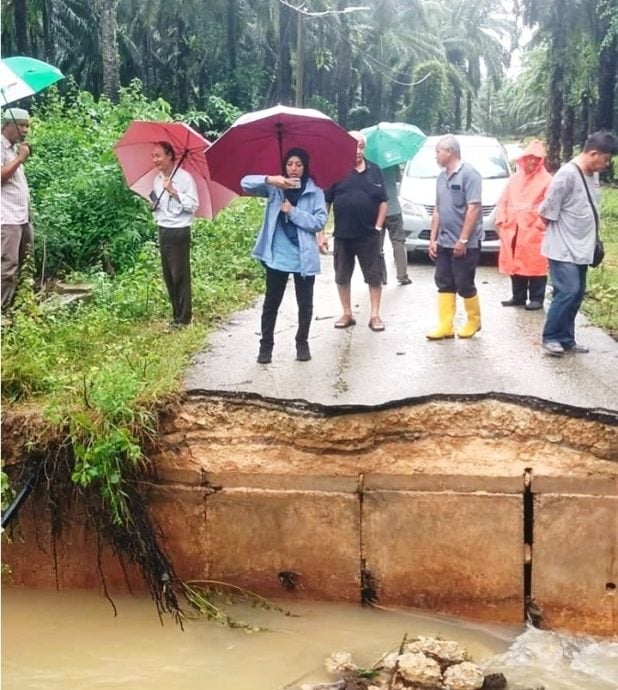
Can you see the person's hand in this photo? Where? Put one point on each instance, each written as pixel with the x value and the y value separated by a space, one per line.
pixel 24 151
pixel 286 206
pixel 282 182
pixel 169 187
pixel 459 250
pixel 433 249
pixel 322 241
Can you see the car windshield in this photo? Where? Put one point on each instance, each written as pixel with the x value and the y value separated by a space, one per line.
pixel 488 160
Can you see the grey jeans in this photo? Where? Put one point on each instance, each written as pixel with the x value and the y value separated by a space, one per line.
pixel 394 225
pixel 15 242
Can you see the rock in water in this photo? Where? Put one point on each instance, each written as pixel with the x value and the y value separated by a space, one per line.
pixel 464 676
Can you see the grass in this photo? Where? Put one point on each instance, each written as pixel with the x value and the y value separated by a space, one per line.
pixel 114 351
pixel 601 303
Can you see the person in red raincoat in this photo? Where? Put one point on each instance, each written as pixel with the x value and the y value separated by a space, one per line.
pixel 521 230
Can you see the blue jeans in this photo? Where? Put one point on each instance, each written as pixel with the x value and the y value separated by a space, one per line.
pixel 569 283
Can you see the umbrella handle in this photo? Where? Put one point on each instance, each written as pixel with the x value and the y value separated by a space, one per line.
pixel 180 162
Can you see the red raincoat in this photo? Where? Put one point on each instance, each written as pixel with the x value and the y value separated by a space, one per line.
pixel 517 217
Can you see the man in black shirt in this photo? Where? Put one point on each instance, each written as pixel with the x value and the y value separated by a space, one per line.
pixel 360 204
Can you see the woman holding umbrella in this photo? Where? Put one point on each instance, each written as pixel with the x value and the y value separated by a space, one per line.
pixel 174 202
pixel 295 213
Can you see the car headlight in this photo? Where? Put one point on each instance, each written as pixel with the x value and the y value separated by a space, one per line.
pixel 411 209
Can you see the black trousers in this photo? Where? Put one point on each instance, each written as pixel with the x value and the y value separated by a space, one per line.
pixel 523 286
pixel 276 282
pixel 174 244
pixel 456 274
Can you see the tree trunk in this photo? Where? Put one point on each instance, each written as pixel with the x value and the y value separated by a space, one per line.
pixel 49 39
pixel 568 133
pixel 468 111
pixel 299 86
pixel 457 113
pixel 608 69
pixel 557 61
pixel 585 119
pixel 21 26
pixel 232 45
pixel 284 67
pixel 109 49
pixel 344 72
pixel 182 66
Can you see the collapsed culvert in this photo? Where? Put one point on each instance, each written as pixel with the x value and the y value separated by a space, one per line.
pixel 489 508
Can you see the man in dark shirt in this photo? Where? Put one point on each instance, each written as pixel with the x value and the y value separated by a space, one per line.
pixel 455 238
pixel 360 203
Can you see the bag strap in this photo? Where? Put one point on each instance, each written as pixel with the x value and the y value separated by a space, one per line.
pixel 592 206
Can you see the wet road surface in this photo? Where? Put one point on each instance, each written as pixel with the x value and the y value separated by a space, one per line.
pixel 356 366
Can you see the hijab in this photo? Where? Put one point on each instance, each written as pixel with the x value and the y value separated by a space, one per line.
pixel 293 195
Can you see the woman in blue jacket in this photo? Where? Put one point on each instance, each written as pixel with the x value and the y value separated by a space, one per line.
pixel 295 213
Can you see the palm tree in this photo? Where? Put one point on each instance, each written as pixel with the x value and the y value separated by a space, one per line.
pixel 470 32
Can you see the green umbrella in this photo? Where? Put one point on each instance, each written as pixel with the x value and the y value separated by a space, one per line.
pixel 24 76
pixel 391 143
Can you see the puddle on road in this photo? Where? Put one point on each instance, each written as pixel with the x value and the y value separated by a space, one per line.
pixel 71 641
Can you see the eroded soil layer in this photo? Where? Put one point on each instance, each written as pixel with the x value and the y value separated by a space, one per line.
pixel 476 507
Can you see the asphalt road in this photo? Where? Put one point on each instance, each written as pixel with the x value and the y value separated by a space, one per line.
pixel 358 367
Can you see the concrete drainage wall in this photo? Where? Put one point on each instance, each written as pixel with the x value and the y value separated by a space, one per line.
pixel 482 508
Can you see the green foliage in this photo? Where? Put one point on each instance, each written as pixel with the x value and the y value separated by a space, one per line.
pixel 98 367
pixel 428 96
pixel 601 303
pixel 6 492
pixel 217 117
pixel 359 117
pixel 83 212
pixel 209 598
pixel 324 105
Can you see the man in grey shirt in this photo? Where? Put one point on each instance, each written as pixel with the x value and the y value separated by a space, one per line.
pixel 454 242
pixel 394 225
pixel 570 210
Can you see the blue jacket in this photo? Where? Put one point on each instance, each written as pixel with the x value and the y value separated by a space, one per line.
pixel 309 216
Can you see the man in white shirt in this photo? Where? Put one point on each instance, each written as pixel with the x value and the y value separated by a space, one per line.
pixel 17 234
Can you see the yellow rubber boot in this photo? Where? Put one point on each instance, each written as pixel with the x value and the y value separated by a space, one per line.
pixel 446 313
pixel 473 324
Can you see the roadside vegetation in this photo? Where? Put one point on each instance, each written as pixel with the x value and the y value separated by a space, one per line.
pixel 601 303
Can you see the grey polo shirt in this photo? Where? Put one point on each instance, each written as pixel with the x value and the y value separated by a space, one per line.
pixel 453 194
pixel 391 176
pixel 571 233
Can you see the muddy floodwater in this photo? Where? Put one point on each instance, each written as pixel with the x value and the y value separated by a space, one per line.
pixel 72 641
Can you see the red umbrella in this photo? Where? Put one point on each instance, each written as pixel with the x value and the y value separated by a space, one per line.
pixel 134 151
pixel 257 142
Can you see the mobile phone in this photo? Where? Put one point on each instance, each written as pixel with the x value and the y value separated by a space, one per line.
pixel 153 197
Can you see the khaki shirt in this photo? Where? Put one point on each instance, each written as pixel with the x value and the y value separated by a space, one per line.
pixel 15 195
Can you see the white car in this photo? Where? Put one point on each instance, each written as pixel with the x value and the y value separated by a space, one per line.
pixel 417 191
